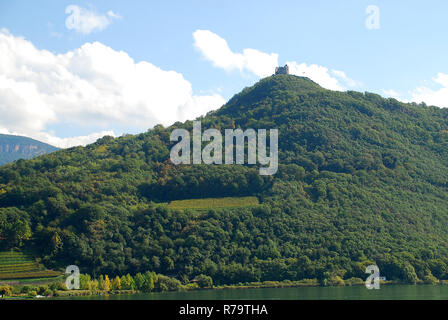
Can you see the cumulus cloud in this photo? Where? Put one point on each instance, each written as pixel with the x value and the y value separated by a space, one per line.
pixel 343 78
pixel 86 21
pixel 215 49
pixel 332 80
pixel 437 97
pixel 318 74
pixel 94 86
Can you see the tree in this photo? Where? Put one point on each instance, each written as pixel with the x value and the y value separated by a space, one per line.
pixel 149 280
pixel 107 284
pixel 14 227
pixel 5 291
pixel 116 283
pixel 438 268
pixel 84 282
pixel 409 275
pixel 139 280
pixel 130 282
pixel 124 283
pixel 164 283
pixel 44 291
pixel 94 285
pixel 204 281
pixel 101 283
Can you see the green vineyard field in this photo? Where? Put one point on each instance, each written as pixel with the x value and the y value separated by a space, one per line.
pixel 214 203
pixel 19 265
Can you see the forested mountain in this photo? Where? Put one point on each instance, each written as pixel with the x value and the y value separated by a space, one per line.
pixel 362 180
pixel 17 147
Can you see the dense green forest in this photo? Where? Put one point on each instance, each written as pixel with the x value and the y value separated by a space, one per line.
pixel 362 180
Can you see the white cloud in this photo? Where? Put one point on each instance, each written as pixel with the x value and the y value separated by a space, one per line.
pixel 62 142
pixel 395 94
pixel 72 141
pixel 92 86
pixel 436 97
pixel 86 21
pixel 343 77
pixel 318 74
pixel 216 49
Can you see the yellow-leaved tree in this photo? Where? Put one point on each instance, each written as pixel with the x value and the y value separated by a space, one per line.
pixel 116 284
pixel 107 284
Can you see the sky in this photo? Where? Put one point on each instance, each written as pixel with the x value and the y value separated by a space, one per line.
pixel 74 71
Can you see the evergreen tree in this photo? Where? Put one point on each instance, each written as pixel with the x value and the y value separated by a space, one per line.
pixel 130 281
pixel 124 283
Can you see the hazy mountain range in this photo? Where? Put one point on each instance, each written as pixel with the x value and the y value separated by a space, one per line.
pixel 17 147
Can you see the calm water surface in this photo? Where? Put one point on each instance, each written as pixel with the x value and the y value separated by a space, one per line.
pixel 391 292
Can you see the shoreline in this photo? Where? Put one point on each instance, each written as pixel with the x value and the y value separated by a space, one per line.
pixel 262 285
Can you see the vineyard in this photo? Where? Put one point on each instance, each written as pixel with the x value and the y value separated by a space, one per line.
pixel 214 203
pixel 18 265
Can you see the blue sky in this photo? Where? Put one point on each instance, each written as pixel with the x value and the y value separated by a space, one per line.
pixel 405 57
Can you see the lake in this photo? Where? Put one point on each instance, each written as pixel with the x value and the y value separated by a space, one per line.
pixel 386 292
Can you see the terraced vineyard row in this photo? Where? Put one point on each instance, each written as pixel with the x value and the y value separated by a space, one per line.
pixel 27 275
pixel 19 265
pixel 20 268
pixel 214 203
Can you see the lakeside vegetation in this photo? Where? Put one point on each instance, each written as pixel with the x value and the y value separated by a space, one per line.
pixel 141 282
pixel 151 282
pixel 362 180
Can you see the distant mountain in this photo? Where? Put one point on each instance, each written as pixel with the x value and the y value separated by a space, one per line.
pixel 17 147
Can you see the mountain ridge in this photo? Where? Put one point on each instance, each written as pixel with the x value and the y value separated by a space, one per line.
pixel 13 147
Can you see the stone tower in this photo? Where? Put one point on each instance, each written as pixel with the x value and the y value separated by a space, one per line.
pixel 282 70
